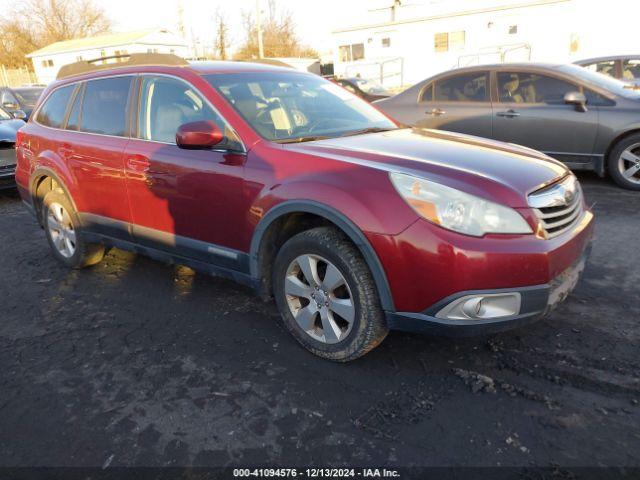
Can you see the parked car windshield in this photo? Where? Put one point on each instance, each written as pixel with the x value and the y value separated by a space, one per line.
pixel 289 106
pixel 28 96
pixel 600 80
pixel 370 86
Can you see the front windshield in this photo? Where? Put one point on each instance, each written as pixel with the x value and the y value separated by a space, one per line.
pixel 4 115
pixel 370 86
pixel 601 80
pixel 28 96
pixel 289 106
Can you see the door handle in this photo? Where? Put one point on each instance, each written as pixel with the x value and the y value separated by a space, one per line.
pixel 138 163
pixel 508 114
pixel 435 112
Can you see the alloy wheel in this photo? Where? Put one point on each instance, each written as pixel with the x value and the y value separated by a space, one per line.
pixel 61 230
pixel 629 163
pixel 319 298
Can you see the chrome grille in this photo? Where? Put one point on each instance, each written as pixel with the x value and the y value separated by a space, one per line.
pixel 558 207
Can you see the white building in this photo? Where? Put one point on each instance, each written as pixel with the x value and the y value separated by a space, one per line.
pixel 48 60
pixel 407 41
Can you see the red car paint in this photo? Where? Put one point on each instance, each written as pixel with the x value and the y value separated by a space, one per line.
pixel 220 198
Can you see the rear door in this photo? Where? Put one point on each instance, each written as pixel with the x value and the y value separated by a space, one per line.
pixel 457 103
pixel 530 111
pixel 93 143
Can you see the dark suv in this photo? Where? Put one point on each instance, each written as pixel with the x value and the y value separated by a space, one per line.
pixel 290 184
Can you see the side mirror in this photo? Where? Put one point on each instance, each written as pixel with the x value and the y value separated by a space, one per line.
pixel 198 135
pixel 19 115
pixel 577 99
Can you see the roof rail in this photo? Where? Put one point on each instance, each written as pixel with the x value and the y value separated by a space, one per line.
pixel 87 66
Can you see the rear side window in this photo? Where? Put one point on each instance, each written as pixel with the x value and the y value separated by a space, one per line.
pixel 104 108
pixel 469 87
pixel 427 94
pixel 52 113
pixel 607 67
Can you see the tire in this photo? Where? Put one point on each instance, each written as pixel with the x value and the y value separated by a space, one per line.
pixel 64 234
pixel 628 147
pixel 349 306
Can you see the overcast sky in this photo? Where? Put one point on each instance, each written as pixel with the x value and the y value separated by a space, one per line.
pixel 314 19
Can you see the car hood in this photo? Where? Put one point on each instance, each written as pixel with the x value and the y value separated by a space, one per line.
pixel 492 169
pixel 8 129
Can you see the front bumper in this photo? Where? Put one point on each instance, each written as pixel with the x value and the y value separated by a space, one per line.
pixel 7 176
pixel 537 301
pixel 542 272
pixel 7 168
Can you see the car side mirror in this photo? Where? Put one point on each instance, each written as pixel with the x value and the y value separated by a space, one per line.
pixel 199 135
pixel 576 99
pixel 19 114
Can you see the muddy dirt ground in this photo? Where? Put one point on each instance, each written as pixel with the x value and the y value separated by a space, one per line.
pixel 134 362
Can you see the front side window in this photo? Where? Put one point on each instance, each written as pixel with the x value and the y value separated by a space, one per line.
pixel 469 87
pixel 607 67
pixel 167 103
pixel 104 108
pixel 52 113
pixel 523 87
pixel 296 106
pixel 631 69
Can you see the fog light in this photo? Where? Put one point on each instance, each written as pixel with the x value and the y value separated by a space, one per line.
pixel 482 306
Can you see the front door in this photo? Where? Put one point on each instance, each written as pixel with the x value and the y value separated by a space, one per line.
pixel 458 103
pixel 188 202
pixel 530 111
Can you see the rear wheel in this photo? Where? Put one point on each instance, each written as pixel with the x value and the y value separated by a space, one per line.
pixel 624 162
pixel 62 228
pixel 327 296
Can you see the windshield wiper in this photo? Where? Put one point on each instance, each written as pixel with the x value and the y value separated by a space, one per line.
pixel 367 130
pixel 308 138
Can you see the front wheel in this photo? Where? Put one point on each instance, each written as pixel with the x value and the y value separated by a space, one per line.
pixel 624 162
pixel 327 296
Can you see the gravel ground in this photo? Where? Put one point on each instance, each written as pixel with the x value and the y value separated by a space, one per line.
pixel 134 362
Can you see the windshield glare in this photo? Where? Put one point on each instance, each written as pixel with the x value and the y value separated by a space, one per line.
pixel 288 106
pixel 600 80
pixel 4 115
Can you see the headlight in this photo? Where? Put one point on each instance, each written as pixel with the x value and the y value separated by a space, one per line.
pixel 456 210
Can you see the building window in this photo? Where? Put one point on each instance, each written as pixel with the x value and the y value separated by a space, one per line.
pixel 47 63
pixel 442 42
pixel 386 42
pixel 350 53
pixel 456 40
pixel 513 29
pixel 447 41
pixel 103 53
pixel 79 58
pixel 574 43
pixel 152 50
pixel 357 50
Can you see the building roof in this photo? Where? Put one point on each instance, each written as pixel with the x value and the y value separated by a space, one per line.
pixel 99 41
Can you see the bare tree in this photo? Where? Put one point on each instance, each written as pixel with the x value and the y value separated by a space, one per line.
pixel 222 36
pixel 33 24
pixel 278 33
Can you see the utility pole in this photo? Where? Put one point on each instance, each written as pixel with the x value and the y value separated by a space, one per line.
pixel 259 28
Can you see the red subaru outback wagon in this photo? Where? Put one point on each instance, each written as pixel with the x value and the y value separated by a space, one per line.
pixel 290 184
